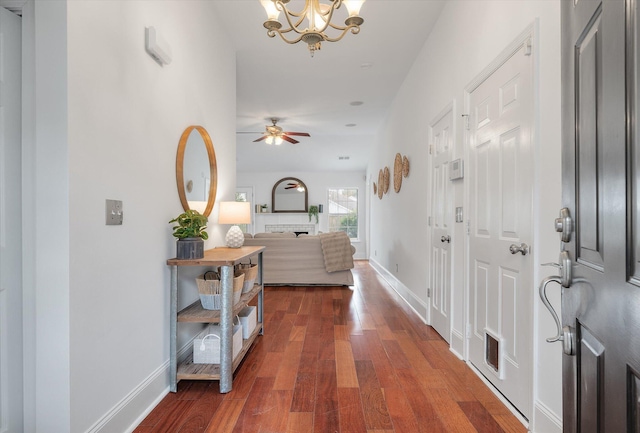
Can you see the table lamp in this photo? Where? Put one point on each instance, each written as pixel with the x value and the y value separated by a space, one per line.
pixel 234 212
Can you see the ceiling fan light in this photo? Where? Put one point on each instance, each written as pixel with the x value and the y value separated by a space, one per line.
pixel 270 8
pixel 278 141
pixel 269 140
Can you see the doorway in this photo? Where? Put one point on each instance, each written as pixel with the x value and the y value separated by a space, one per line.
pixel 11 329
pixel 500 265
pixel 442 139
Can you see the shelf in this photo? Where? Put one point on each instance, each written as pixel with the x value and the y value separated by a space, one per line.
pixel 187 370
pixel 226 258
pixel 218 257
pixel 195 312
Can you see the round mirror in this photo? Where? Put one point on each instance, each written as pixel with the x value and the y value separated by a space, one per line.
pixel 289 195
pixel 196 170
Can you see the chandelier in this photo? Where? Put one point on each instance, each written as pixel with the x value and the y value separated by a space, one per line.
pixel 316 16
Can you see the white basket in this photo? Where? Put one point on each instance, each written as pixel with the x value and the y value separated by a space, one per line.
pixel 206 346
pixel 250 272
pixel 248 320
pixel 210 290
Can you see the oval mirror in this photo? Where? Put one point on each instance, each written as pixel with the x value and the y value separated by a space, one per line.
pixel 196 170
pixel 289 195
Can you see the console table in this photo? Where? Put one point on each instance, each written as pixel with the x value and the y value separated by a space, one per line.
pixel 226 259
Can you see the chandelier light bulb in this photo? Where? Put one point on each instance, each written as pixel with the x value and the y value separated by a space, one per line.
pixel 278 141
pixel 353 6
pixel 272 11
pixel 269 140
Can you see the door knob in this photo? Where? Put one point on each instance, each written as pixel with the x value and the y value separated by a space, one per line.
pixel 446 239
pixel 522 248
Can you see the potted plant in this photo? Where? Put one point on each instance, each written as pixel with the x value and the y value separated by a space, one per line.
pixel 313 211
pixel 190 232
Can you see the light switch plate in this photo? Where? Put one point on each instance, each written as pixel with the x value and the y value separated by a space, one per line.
pixel 113 212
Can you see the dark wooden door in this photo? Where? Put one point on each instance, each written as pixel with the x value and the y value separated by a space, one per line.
pixel 601 306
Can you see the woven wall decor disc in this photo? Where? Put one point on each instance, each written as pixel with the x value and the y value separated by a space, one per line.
pixel 397 173
pixel 387 175
pixel 380 184
pixel 405 166
pixel 375 188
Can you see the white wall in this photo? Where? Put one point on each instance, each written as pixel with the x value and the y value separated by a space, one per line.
pixel 104 122
pixel 317 184
pixel 466 38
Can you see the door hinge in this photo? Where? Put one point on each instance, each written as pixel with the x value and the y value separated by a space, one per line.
pixel 469 332
pixel 528 47
pixel 431 149
pixel 428 293
pixel 465 117
pixel 468 227
pixel 429 221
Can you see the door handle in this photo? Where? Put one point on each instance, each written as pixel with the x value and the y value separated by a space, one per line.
pixel 564 265
pixel 522 248
pixel 565 334
pixel 446 239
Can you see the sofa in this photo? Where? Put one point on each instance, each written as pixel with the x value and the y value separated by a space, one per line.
pixel 325 259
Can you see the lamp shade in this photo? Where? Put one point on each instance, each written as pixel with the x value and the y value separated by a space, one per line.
pixel 234 212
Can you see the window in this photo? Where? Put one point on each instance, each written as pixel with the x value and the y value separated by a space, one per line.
pixel 343 211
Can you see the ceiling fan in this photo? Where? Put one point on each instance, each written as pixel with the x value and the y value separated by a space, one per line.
pixel 296 185
pixel 275 135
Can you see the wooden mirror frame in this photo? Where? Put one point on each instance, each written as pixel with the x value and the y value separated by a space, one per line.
pixel 273 196
pixel 213 167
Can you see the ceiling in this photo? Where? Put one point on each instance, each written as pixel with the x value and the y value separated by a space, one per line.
pixel 319 95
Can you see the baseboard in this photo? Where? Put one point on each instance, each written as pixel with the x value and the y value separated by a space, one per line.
pixel 457 343
pixel 501 397
pixel 416 304
pixel 134 408
pixel 545 420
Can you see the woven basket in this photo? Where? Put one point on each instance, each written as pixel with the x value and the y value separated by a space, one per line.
pixel 210 290
pixel 250 272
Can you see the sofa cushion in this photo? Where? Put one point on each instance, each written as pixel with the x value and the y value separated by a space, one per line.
pixel 274 235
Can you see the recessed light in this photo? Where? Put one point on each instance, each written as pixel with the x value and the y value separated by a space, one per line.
pixel 356 103
pixel 350 125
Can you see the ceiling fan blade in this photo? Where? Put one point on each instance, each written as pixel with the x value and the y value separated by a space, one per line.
pixel 302 134
pixel 249 132
pixel 260 139
pixel 290 140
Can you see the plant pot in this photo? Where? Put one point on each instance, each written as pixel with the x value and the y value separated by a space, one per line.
pixel 190 248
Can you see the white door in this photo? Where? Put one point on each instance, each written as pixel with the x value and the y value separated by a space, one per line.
pixel 441 220
pixel 245 193
pixel 10 224
pixel 500 231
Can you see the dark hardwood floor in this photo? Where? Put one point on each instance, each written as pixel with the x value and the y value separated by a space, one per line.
pixel 339 359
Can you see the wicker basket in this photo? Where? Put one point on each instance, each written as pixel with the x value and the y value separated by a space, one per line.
pixel 250 272
pixel 210 290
